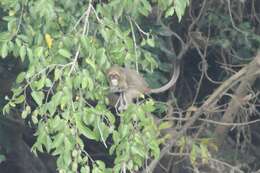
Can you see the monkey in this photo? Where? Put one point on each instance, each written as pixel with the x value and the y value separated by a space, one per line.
pixel 132 85
pixel 117 79
pixel 118 101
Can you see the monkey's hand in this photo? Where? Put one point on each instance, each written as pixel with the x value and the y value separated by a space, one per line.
pixel 121 103
pixel 116 90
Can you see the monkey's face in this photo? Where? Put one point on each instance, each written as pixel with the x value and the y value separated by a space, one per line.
pixel 113 77
pixel 117 79
pixel 114 80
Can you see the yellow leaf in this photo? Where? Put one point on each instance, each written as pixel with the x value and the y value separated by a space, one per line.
pixel 48 40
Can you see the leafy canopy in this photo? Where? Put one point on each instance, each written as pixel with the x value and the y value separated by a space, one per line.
pixel 67 45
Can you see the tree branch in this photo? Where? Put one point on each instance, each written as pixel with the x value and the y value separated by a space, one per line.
pixel 211 101
pixel 240 93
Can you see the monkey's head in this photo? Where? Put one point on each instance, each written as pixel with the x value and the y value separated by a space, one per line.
pixel 116 78
pixel 113 75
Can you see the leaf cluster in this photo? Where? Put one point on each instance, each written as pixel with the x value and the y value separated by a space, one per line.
pixel 67 46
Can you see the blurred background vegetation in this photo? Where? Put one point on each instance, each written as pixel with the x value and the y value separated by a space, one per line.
pixel 55 113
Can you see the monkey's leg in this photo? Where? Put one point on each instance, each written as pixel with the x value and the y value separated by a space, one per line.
pixel 127 98
pixel 123 102
pixel 118 103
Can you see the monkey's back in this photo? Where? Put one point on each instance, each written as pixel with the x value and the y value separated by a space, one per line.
pixel 135 80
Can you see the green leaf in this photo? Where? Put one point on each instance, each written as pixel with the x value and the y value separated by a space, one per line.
pixel 83 129
pixel 38 97
pixel 101 164
pixel 48 82
pixel 110 117
pixel 91 63
pixel 124 130
pixel 85 43
pixel 150 42
pixel 116 137
pixel 48 143
pixel 65 53
pixel 56 98
pixel 138 150
pixel 169 12
pixel 102 58
pixel 87 82
pixel 85 169
pixel 5 36
pixel 194 153
pixel 204 153
pixel 38 52
pixel 84 82
pixel 22 52
pixel 40 83
pixel 29 54
pixel 180 6
pixel 6 109
pixel 19 99
pixel 165 125
pixel 57 74
pixel 4 50
pixel 147 7
pixel 26 111
pixel 18 42
pixel 20 78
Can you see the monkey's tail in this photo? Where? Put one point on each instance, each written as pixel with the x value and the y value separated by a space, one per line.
pixel 174 78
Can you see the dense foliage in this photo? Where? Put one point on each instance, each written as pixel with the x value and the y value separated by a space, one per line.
pixel 66 47
pixel 58 53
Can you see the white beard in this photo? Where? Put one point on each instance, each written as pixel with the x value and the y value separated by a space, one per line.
pixel 114 82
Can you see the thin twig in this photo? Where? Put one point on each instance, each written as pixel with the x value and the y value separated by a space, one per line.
pixel 232 21
pixel 20 20
pixel 135 47
pixel 210 159
pixel 85 32
pixel 217 122
pixel 140 29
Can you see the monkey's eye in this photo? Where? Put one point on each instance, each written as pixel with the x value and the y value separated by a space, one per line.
pixel 116 76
